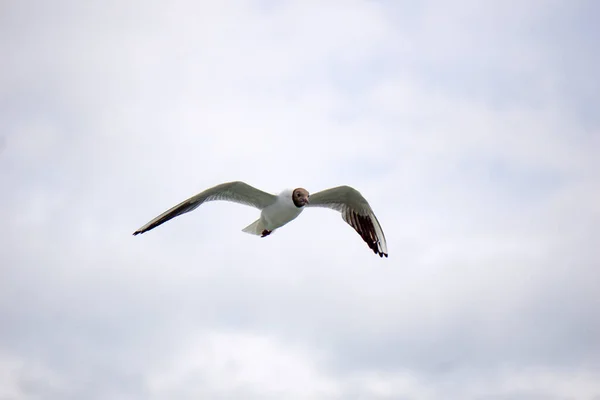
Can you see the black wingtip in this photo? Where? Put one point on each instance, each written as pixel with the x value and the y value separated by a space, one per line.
pixel 380 253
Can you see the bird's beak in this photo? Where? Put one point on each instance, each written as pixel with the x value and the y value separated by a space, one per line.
pixel 306 200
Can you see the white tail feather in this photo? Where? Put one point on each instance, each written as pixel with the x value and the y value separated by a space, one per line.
pixel 255 228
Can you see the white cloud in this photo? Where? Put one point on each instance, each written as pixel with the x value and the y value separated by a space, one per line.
pixel 455 121
pixel 225 365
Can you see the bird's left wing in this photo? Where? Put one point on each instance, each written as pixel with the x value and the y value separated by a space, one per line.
pixel 237 192
pixel 356 211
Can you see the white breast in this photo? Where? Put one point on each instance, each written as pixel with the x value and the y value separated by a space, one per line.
pixel 281 212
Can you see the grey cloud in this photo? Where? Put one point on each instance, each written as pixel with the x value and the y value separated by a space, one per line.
pixel 475 152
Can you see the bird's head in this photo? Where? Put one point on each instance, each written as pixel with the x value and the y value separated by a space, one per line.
pixel 300 197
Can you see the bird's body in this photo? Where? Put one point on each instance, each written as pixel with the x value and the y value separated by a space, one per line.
pixel 275 215
pixel 278 210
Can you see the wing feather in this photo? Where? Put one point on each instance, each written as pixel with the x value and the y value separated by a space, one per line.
pixel 237 192
pixel 356 212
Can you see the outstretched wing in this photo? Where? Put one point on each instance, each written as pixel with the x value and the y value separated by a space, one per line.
pixel 356 211
pixel 237 192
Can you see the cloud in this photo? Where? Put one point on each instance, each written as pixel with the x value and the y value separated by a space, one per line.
pixel 467 127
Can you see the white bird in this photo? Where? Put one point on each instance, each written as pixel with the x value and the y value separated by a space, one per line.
pixel 278 210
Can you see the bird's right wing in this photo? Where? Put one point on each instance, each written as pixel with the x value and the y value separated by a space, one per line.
pixel 357 213
pixel 237 192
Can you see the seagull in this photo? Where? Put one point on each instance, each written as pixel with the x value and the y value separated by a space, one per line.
pixel 278 210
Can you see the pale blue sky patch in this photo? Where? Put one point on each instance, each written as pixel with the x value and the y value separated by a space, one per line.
pixel 517 185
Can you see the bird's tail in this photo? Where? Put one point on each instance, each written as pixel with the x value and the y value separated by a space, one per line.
pixel 255 228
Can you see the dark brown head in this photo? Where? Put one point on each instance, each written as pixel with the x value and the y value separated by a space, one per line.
pixel 300 197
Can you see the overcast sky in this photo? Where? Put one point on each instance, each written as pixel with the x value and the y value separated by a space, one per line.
pixel 472 127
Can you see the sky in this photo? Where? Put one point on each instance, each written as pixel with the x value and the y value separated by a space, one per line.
pixel 471 127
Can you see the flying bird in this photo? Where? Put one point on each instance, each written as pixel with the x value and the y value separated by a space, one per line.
pixel 278 210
